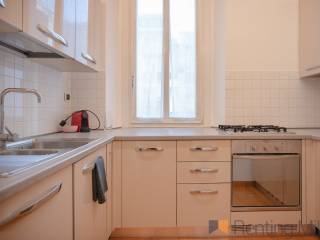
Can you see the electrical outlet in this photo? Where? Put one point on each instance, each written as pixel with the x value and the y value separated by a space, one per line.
pixel 67 97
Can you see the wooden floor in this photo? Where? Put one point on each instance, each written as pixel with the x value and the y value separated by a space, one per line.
pixel 226 238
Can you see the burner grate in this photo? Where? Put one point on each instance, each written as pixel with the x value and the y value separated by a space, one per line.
pixel 253 128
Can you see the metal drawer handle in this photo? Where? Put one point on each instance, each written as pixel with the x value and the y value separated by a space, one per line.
pixel 29 207
pixel 149 149
pixel 52 34
pixel 204 149
pixel 204 192
pixel 2 3
pixel 313 68
pixel 89 58
pixel 88 167
pixel 204 170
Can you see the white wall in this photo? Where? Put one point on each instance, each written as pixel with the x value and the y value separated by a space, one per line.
pixel 23 114
pixel 262 78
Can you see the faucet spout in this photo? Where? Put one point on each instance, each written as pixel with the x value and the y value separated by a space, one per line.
pixel 3 94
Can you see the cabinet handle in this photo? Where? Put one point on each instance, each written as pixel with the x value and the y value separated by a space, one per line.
pixel 204 192
pixel 2 3
pixel 88 167
pixel 52 34
pixel 313 68
pixel 204 149
pixel 32 205
pixel 89 58
pixel 149 149
pixel 204 170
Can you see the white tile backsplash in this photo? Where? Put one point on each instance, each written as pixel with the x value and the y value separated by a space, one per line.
pixel 23 114
pixel 272 97
pixel 88 92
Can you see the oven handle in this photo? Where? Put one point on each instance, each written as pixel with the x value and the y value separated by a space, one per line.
pixel 264 157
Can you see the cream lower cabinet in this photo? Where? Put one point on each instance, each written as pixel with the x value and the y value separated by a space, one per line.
pixel 90 218
pixel 42 211
pixel 148 184
pixel 312 186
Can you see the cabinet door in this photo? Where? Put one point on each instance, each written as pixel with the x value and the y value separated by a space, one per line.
pixel 89 45
pixel 109 193
pixel 52 23
pixel 149 184
pixel 10 15
pixel 46 208
pixel 309 37
pixel 90 218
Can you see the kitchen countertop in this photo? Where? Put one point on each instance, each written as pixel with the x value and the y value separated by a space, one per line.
pixel 16 183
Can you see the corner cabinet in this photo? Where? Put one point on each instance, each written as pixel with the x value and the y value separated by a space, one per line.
pixel 90 218
pixel 10 15
pixel 89 33
pixel 52 23
pixel 309 38
pixel 42 211
pixel 149 184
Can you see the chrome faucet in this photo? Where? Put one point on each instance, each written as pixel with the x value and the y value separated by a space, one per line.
pixel 11 136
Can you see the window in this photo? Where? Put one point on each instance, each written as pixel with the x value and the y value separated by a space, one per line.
pixel 165 82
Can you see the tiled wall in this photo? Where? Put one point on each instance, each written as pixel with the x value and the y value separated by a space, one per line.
pixel 272 98
pixel 88 92
pixel 22 112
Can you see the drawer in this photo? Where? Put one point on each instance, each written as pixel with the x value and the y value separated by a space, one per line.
pixel 204 151
pixel 41 211
pixel 204 172
pixel 199 203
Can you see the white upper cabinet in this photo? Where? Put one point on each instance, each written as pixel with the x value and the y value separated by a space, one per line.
pixel 309 38
pixel 52 22
pixel 10 15
pixel 89 42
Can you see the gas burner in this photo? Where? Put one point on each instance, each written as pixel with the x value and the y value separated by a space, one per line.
pixel 253 128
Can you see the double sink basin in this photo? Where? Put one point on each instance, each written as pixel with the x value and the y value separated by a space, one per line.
pixel 20 156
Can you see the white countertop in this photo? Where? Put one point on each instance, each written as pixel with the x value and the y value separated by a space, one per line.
pixel 16 183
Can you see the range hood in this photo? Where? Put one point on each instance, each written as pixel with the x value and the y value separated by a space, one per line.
pixel 23 44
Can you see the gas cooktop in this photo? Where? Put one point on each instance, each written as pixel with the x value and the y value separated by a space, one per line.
pixel 253 128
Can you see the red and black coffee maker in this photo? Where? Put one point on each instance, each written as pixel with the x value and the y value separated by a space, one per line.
pixel 80 119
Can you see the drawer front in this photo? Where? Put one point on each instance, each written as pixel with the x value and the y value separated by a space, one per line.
pixel 204 172
pixel 51 215
pixel 204 151
pixel 90 218
pixel 199 203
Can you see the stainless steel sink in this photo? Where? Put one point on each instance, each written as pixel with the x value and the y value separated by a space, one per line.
pixel 40 143
pixel 27 152
pixel 23 155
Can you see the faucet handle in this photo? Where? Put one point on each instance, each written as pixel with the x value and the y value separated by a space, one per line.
pixel 12 136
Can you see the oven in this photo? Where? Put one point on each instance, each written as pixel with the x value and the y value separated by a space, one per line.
pixel 266 175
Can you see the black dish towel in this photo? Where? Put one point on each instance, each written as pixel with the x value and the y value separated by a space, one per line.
pixel 99 181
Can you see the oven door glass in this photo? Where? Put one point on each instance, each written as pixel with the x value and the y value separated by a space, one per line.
pixel 265 181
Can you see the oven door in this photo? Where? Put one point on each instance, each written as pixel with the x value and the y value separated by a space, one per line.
pixel 266 182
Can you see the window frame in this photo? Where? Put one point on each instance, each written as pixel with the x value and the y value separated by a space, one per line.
pixel 166 68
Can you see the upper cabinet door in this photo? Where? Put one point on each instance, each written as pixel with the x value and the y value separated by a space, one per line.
pixel 309 38
pixel 89 42
pixel 10 15
pixel 51 22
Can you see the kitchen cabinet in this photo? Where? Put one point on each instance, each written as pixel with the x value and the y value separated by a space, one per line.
pixel 90 218
pixel 110 189
pixel 10 15
pixel 200 203
pixel 41 211
pixel 89 33
pixel 312 185
pixel 51 23
pixel 309 38
pixel 149 184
